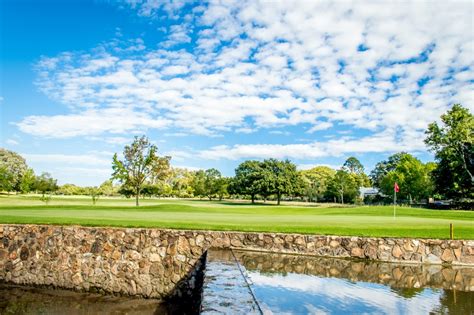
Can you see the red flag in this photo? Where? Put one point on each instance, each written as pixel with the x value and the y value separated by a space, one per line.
pixel 396 188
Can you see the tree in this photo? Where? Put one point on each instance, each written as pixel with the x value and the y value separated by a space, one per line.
pixel 6 179
pixel 212 182
pixel 140 163
pixel 107 188
pixel 248 179
pixel 343 186
pixel 161 169
pixel 95 193
pixel 126 191
pixel 382 168
pixel 71 189
pixel 452 144
pixel 151 190
pixel 198 183
pixel 412 176
pixel 222 186
pixel 353 165
pixel 13 167
pixel 180 180
pixel 45 183
pixel 280 178
pixel 27 181
pixel 316 181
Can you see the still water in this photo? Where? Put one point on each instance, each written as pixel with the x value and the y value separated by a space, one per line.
pixel 27 300
pixel 288 284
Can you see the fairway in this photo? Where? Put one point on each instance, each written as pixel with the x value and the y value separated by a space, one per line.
pixel 239 216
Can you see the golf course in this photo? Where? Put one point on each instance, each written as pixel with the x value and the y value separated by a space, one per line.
pixel 195 214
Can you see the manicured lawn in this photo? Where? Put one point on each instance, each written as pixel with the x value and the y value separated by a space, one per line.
pixel 239 216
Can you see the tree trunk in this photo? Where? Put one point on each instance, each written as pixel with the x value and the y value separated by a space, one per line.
pixel 253 198
pixel 137 196
pixel 342 198
pixel 278 198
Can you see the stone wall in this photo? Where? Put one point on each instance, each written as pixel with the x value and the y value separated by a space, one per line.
pixel 400 250
pixel 164 263
pixel 147 262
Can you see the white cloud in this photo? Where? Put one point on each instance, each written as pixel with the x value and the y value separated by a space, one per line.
pixel 381 142
pixel 288 63
pixel 320 126
pixel 69 159
pixel 12 142
pixel 91 122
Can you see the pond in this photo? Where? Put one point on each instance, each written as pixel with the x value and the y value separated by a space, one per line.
pixel 15 299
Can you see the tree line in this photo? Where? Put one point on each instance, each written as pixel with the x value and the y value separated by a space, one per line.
pixel 16 176
pixel 141 172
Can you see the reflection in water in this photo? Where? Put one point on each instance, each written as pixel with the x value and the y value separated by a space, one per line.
pixel 302 285
pixel 16 299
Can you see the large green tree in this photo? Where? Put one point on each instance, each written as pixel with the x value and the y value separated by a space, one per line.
pixel 452 143
pixel 353 165
pixel 27 181
pixel 343 186
pixel 248 179
pixel 316 181
pixel 13 167
pixel 222 187
pixel 382 168
pixel 6 179
pixel 355 168
pixel 107 188
pixel 140 164
pixel 412 176
pixel 212 182
pixel 180 180
pixel 45 183
pixel 282 178
pixel 198 183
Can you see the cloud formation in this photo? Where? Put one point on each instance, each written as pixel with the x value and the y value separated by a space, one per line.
pixel 386 68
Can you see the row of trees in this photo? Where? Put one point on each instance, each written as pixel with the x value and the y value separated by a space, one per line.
pixel 147 174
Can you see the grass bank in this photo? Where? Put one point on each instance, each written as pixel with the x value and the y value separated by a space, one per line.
pixel 239 216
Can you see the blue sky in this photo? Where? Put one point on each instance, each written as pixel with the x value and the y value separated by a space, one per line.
pixel 213 84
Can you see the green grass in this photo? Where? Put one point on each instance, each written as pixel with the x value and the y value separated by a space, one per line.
pixel 239 216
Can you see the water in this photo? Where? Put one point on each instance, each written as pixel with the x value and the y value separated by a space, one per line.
pixel 288 284
pixel 27 300
pixel 281 284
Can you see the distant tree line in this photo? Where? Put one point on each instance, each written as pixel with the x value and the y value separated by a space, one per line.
pixel 16 176
pixel 140 172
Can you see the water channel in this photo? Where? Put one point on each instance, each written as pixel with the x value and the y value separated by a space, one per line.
pixel 254 282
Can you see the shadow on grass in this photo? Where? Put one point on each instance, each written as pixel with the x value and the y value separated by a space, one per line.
pixel 272 203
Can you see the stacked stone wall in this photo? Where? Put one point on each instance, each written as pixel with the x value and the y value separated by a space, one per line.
pixel 159 263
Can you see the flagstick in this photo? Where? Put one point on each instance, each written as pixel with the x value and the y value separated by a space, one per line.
pixel 394 203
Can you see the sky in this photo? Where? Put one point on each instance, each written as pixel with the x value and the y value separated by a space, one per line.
pixel 215 83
